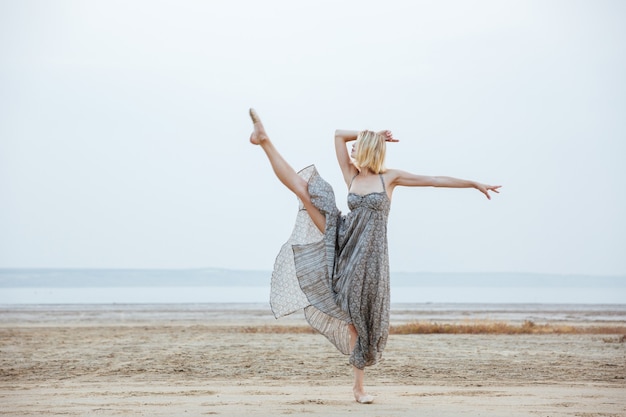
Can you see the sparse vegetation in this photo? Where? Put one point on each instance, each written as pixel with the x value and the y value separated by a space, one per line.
pixel 620 339
pixel 274 329
pixel 478 327
pixel 489 327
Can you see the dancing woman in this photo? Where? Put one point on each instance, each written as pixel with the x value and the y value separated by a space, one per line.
pixel 334 266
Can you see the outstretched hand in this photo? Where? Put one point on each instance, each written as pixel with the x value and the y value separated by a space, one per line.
pixel 388 136
pixel 483 188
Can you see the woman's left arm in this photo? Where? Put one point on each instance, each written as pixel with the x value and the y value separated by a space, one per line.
pixel 411 180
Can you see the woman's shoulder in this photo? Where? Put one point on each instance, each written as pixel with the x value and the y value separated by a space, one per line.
pixel 391 173
pixel 396 177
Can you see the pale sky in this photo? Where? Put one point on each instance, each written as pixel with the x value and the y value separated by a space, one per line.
pixel 124 128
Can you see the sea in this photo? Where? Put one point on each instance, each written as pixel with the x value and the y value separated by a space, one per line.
pixel 21 286
pixel 41 296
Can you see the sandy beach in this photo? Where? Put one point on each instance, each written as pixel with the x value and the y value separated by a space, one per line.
pixel 129 362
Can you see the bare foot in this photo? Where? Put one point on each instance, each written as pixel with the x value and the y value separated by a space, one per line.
pixel 362 397
pixel 259 134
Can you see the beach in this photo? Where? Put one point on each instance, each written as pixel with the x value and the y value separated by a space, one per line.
pixel 238 360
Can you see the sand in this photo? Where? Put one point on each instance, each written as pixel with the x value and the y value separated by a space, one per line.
pixel 84 364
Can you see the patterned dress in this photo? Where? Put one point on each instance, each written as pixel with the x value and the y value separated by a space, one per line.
pixel 340 277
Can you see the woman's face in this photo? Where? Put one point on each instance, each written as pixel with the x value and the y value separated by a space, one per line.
pixel 353 151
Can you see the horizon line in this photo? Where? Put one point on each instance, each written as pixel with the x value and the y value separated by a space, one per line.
pixel 70 268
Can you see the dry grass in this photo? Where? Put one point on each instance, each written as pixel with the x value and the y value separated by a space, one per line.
pixel 478 327
pixel 275 329
pixel 489 327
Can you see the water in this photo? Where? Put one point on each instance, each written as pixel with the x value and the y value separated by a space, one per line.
pixel 103 286
pixel 260 294
pixel 133 295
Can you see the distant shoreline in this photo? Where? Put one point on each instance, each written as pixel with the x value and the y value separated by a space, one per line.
pixel 261 294
pixel 212 285
pixel 213 277
pixel 260 314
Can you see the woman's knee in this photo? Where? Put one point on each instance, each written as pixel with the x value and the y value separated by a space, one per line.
pixel 301 189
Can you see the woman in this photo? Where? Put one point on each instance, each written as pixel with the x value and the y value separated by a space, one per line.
pixel 334 266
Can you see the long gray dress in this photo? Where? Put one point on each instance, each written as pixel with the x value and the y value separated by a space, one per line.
pixel 341 276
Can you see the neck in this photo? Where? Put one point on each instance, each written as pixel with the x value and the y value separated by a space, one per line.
pixel 366 172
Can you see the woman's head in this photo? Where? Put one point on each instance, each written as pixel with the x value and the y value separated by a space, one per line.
pixel 369 151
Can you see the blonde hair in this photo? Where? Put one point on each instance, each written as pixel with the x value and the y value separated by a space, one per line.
pixel 370 151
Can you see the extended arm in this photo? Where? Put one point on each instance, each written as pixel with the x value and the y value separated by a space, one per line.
pixel 411 180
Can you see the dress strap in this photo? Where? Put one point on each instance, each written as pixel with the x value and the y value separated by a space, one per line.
pixel 383 181
pixel 350 185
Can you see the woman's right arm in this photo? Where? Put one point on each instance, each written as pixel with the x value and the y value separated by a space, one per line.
pixel 345 163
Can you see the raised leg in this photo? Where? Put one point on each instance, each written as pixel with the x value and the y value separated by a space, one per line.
pixel 285 173
pixel 359 374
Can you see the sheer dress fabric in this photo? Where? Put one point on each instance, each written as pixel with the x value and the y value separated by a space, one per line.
pixel 341 276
